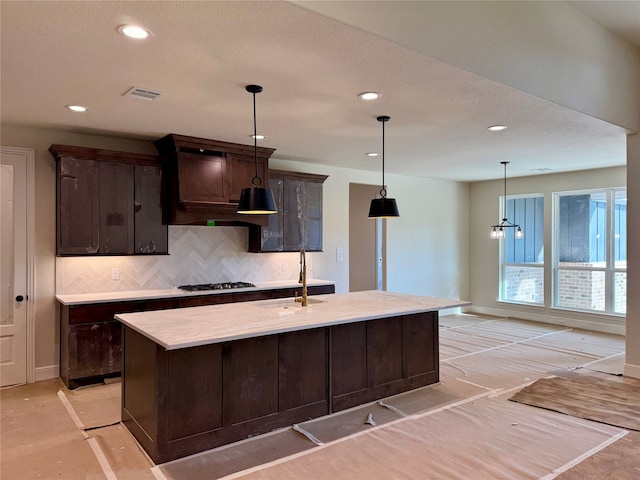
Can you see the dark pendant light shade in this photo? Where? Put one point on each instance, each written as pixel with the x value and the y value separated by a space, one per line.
pixel 256 200
pixel 383 207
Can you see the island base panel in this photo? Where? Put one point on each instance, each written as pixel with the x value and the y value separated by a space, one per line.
pixel 180 402
pixel 174 403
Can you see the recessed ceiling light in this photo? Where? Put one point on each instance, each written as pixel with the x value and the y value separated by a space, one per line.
pixel 372 154
pixel 77 108
pixel 134 31
pixel 497 128
pixel 369 95
pixel 257 137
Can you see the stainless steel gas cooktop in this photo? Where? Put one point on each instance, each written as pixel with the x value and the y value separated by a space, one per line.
pixel 215 286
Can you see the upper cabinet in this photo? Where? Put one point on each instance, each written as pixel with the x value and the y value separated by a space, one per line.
pixel 150 232
pixel 298 223
pixel 204 179
pixel 108 203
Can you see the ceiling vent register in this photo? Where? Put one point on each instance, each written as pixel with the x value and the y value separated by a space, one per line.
pixel 143 93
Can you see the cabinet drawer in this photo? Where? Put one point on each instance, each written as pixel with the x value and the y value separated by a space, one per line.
pixel 81 314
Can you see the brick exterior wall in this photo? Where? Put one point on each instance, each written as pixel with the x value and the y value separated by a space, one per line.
pixel 577 289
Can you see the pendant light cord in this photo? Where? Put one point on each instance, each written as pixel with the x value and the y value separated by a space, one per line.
pixel 256 181
pixel 504 199
pixel 383 191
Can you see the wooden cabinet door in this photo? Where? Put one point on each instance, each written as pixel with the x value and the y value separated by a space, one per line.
pixel 293 215
pixel 201 178
pixel 313 216
pixel 88 350
pixel 250 379
pixel 384 351
pixel 302 368
pixel 272 237
pixel 116 209
pixel 349 380
pixel 421 345
pixel 151 236
pixel 78 206
pixel 193 391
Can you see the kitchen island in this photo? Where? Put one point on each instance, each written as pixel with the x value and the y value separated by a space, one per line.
pixel 197 378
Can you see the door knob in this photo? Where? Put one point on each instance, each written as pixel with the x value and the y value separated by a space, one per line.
pixel 19 298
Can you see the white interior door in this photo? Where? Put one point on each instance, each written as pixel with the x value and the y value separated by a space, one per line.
pixel 13 267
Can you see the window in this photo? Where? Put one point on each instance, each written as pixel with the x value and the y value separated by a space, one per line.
pixel 590 256
pixel 522 259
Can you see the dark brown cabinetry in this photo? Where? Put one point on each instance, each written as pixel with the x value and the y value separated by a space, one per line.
pixel 108 202
pixel 90 345
pixel 204 179
pixel 78 193
pixel 298 223
pixel 371 360
pixel 220 393
pixel 150 233
pixel 180 402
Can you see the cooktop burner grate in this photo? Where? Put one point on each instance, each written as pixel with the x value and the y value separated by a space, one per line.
pixel 215 286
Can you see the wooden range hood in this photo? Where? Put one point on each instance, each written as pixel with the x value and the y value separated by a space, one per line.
pixel 203 180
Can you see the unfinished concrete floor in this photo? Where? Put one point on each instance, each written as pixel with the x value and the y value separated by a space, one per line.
pixel 464 427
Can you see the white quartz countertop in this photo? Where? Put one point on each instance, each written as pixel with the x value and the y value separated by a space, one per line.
pixel 193 326
pixel 106 297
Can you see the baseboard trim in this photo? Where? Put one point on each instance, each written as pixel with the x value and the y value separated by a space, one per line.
pixel 552 319
pixel 631 370
pixel 47 373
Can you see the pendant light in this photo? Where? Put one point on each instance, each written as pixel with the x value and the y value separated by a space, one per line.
pixel 256 200
pixel 383 207
pixel 498 231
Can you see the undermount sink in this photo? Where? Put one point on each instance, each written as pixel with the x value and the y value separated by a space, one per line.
pixel 288 303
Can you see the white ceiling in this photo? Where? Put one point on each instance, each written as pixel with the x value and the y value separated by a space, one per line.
pixel 202 54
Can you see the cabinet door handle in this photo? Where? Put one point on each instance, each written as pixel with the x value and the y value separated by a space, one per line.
pixel 19 298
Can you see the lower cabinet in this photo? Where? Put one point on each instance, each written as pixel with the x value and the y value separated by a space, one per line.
pixel 180 402
pixel 87 347
pixel 376 359
pixel 90 338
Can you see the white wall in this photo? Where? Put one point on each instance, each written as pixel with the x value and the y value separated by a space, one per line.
pixel 632 359
pixel 484 211
pixel 417 263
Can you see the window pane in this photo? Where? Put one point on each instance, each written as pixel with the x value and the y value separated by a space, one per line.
pixel 620 230
pixel 620 292
pixel 8 258
pixel 582 229
pixel 581 289
pixel 528 212
pixel 523 284
pixel 522 279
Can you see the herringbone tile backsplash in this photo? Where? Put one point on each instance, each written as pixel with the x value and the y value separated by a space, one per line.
pixel 196 255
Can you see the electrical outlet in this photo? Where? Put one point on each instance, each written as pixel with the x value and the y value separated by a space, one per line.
pixel 115 274
pixel 339 255
pixel 284 266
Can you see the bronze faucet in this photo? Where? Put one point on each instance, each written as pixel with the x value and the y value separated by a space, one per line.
pixel 303 278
